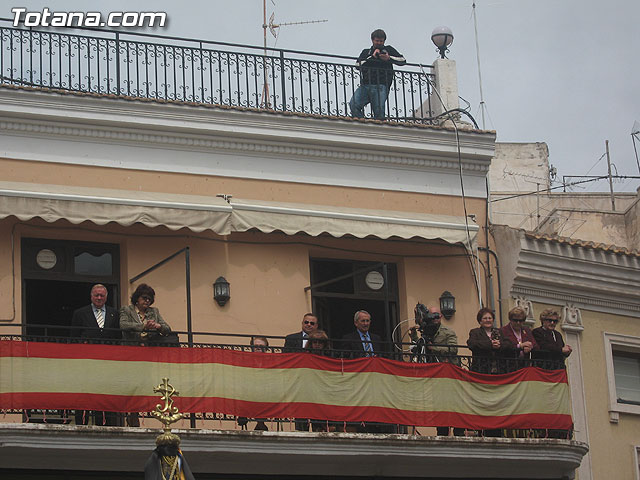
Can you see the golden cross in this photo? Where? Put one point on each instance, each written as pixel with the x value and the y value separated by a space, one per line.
pixel 167 414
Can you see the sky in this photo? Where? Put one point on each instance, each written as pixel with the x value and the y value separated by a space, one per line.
pixel 563 72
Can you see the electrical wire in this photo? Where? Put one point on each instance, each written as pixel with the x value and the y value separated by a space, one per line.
pixel 461 176
pixel 550 188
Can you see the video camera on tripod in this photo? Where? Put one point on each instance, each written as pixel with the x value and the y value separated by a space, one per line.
pixel 427 322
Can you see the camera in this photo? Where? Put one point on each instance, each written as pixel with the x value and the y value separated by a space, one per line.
pixel 495 334
pixel 380 51
pixel 427 322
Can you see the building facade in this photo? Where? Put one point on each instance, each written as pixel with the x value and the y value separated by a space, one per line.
pixel 298 211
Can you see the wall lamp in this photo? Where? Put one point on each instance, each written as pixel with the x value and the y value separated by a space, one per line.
pixel 221 291
pixel 447 304
pixel 442 37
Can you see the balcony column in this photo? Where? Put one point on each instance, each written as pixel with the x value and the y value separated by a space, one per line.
pixel 572 327
pixel 446 84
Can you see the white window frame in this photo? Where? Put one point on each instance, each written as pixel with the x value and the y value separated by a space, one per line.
pixel 625 343
pixel 636 457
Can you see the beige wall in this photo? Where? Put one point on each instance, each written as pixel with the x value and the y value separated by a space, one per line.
pixel 632 217
pixel 611 446
pixel 6 272
pixel 77 175
pixel 267 273
pixel 601 227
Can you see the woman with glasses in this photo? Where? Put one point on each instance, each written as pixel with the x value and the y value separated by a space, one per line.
pixel 318 343
pixel 140 322
pixel 520 337
pixel 552 348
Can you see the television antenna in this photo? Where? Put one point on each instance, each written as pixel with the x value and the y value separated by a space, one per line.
pixel 274 28
pixel 475 29
pixel 483 105
pixel 635 137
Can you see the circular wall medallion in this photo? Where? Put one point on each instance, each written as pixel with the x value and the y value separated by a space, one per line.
pixel 374 280
pixel 46 259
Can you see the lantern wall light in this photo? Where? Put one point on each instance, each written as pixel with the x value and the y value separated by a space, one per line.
pixel 221 291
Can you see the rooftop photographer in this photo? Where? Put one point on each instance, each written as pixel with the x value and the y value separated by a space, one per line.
pixel 376 76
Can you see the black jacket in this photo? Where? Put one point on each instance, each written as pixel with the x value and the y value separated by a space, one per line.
pixel 351 343
pixel 551 344
pixel 293 342
pixel 85 325
pixel 374 71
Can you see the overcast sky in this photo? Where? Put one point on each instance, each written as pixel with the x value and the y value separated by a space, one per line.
pixel 564 72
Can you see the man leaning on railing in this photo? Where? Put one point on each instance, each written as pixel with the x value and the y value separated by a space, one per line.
pixel 96 323
pixel 376 76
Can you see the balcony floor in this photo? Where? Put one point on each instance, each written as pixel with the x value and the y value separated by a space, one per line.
pixel 26 449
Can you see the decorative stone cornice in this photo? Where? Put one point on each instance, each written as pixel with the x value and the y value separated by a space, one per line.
pixel 202 143
pixel 182 126
pixel 128 134
pixel 581 277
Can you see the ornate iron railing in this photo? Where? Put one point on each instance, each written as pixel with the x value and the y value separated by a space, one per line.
pixel 195 71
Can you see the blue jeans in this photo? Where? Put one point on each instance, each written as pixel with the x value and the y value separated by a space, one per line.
pixel 376 95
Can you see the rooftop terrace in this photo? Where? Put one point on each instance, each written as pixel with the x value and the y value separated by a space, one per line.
pixel 199 72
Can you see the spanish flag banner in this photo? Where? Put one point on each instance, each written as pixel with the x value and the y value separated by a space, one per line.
pixel 37 375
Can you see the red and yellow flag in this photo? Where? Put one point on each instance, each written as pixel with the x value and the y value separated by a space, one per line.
pixel 37 375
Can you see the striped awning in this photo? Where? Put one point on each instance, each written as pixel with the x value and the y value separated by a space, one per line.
pixel 199 213
pixel 314 220
pixel 124 207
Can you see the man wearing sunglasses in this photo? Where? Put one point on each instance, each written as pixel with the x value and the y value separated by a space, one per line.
pixel 551 343
pixel 295 342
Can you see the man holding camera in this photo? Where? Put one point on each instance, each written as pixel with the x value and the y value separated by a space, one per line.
pixel 376 76
pixel 438 344
pixel 435 337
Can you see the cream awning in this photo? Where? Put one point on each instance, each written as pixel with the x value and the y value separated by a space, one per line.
pixel 292 218
pixel 200 213
pixel 125 207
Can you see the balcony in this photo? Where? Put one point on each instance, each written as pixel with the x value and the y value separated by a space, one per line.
pixel 43 433
pixel 202 73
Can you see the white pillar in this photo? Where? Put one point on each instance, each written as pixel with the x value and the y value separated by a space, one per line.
pixel 572 327
pixel 446 85
pixel 445 97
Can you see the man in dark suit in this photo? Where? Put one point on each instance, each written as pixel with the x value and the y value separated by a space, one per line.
pixel 295 342
pixel 96 323
pixel 362 343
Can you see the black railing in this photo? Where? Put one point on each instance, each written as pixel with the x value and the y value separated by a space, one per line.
pixel 459 355
pixel 214 73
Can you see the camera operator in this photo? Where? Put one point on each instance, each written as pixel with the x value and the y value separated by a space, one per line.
pixel 437 343
pixel 432 344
